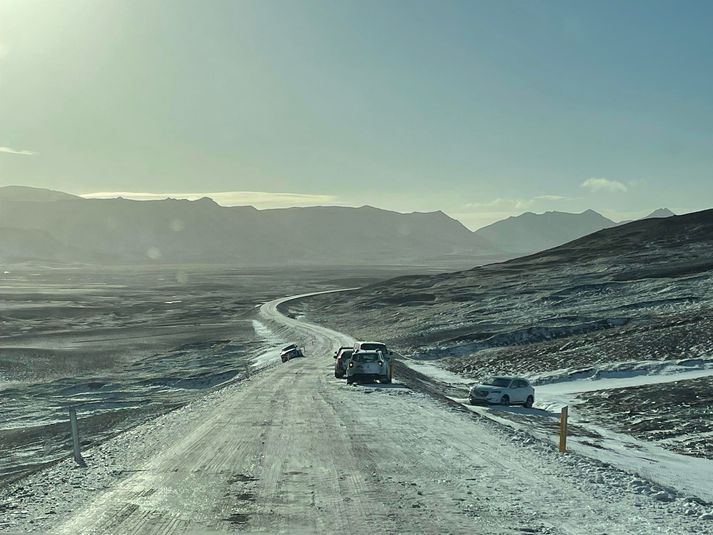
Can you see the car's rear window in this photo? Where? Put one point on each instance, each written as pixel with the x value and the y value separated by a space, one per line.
pixel 373 347
pixel 368 357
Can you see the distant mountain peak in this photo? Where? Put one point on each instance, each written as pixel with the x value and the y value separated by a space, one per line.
pixel 30 194
pixel 201 231
pixel 207 201
pixel 530 232
pixel 660 212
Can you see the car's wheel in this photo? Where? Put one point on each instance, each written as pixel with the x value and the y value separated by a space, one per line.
pixel 385 380
pixel 505 400
pixel 529 402
pixel 350 380
pixel 338 375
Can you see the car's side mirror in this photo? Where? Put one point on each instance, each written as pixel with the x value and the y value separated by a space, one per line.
pixel 335 356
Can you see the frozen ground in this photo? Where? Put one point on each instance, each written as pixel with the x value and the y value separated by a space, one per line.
pixel 678 417
pixel 598 438
pixel 125 345
pixel 630 301
pixel 604 438
pixel 628 307
pixel 293 450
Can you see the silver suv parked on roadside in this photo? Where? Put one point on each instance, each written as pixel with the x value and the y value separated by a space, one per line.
pixel 503 390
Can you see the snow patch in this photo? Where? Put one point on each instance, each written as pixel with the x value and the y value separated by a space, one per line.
pixel 270 338
pixel 438 373
pixel 529 335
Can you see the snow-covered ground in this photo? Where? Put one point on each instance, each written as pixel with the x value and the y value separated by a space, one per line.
pixel 270 339
pixel 660 470
pixel 690 474
pixel 124 345
pixel 439 374
pixel 294 450
pixel 623 375
pixel 669 470
pixel 626 326
pixel 553 396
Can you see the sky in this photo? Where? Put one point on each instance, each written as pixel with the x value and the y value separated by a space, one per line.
pixel 481 109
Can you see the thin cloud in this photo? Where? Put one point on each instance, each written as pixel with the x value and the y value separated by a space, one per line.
pixel 258 199
pixel 604 184
pixel 551 198
pixel 517 204
pixel 8 150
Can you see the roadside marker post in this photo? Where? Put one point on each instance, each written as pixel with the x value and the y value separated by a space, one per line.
pixel 563 429
pixel 75 437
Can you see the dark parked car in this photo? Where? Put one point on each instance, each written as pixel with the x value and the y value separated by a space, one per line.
pixel 342 356
pixel 290 352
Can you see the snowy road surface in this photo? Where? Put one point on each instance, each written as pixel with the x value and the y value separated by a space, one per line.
pixel 294 450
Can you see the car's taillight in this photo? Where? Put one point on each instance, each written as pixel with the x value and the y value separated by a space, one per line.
pixel 351 364
pixel 381 363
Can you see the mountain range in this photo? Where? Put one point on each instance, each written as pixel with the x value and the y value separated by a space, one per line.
pixel 43 225
pixel 51 226
pixel 529 232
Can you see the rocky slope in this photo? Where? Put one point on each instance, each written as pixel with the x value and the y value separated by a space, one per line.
pixel 634 276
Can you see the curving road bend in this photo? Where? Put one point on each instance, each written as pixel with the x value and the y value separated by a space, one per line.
pixel 294 450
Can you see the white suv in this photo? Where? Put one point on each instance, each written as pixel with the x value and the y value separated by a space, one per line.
pixel 503 390
pixel 368 366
